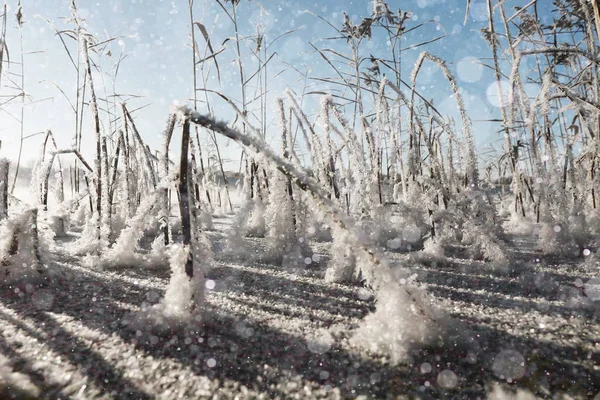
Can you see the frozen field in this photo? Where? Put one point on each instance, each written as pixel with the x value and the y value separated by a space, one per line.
pixel 272 333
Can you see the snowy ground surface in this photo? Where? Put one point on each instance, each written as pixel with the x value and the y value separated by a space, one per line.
pixel 270 333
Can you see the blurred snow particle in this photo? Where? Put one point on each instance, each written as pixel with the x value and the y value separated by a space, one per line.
pixel 364 294
pixel 307 260
pixel 374 378
pixel 586 252
pixel 394 244
pixel 592 289
pixel 469 69
pixel 353 381
pixel 478 11
pixel 426 368
pixel 211 362
pixel 43 299
pixel 244 330
pixel 324 375
pixel 266 20
pixel 557 229
pixel 471 357
pixel 210 284
pixel 509 365
pixel 447 379
pixel 411 234
pixel 493 94
pixel 321 342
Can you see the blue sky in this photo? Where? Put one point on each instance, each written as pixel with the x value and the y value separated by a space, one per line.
pixel 155 35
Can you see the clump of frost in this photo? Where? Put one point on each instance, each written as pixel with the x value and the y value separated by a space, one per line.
pixel 125 251
pixel 318 230
pixel 58 222
pixel 314 224
pixel 555 238
pixel 24 249
pixel 205 218
pixel 518 225
pixel 159 253
pixel 234 241
pixel 284 244
pixel 564 221
pixel 281 229
pixel 320 341
pixel 401 227
pixel 432 255
pixel 410 223
pixel 117 224
pixel 182 299
pixel 486 245
pixel 183 294
pixel 81 214
pixel 405 318
pixel 471 220
pixel 341 267
pixel 89 242
pixel 433 248
pixel 256 225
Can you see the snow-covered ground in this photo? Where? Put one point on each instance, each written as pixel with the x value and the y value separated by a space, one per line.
pixel 274 333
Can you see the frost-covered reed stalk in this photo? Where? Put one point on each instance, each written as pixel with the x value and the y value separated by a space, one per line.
pixel 185 291
pixel 22 94
pixel 282 240
pixel 105 223
pixel 3 39
pixel 146 153
pixel 503 102
pixel 120 147
pixel 165 203
pixel 200 211
pixel 20 259
pixel 59 218
pixel 322 159
pixel 471 173
pixel 130 181
pixel 98 135
pixel 286 147
pixel 184 202
pixel 4 167
pixel 361 172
